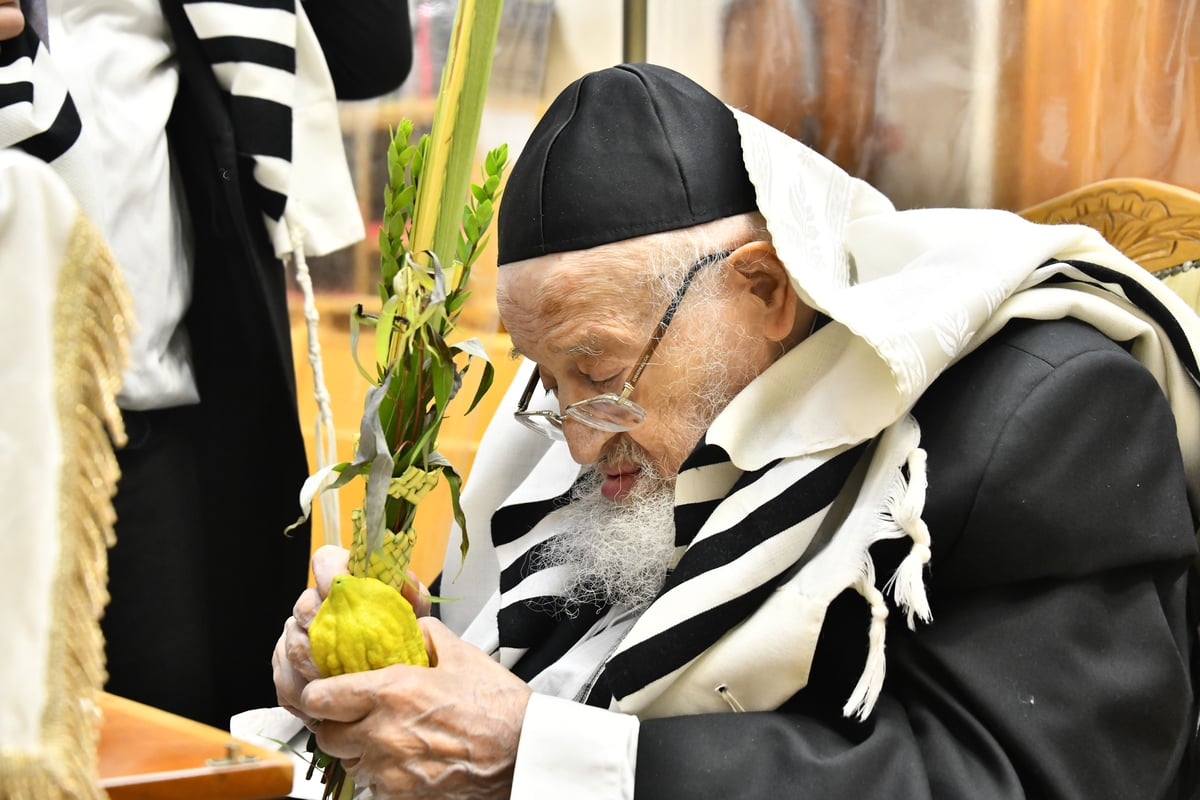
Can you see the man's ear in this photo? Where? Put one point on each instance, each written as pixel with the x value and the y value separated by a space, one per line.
pixel 766 281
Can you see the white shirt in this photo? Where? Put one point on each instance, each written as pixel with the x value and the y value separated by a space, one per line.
pixel 118 59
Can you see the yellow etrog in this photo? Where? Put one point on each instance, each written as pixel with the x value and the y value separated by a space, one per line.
pixel 364 624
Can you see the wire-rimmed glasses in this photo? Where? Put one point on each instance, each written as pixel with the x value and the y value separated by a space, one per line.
pixel 610 412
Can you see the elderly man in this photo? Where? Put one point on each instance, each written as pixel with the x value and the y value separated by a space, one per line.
pixel 783 424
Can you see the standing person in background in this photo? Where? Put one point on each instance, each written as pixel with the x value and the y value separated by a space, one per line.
pixel 203 139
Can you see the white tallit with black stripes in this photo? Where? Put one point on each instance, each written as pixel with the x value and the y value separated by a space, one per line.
pixel 816 459
pixel 266 57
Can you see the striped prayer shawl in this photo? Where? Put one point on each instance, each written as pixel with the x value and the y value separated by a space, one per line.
pixel 37 114
pixel 741 546
pixel 251 47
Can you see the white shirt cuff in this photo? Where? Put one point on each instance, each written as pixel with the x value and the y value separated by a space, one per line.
pixel 569 749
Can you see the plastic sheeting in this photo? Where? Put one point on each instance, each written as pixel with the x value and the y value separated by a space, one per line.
pixel 977 103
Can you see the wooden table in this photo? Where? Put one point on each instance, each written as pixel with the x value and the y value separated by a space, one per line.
pixel 150 754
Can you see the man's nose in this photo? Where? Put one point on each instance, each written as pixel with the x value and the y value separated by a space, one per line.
pixel 585 442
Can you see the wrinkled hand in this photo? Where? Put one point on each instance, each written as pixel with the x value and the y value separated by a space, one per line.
pixel 447 731
pixel 292 663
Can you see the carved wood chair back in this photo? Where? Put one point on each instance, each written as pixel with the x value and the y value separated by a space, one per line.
pixel 1154 223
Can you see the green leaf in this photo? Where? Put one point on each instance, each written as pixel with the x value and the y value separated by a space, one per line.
pixel 454 481
pixel 383 331
pixel 442 374
pixel 404 198
pixel 474 349
pixel 356 317
pixel 484 212
pixel 373 449
pixel 479 246
pixel 387 259
pixel 495 160
pixel 485 383
pixel 395 168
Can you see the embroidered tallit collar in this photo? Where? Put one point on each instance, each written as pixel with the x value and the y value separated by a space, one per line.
pixel 804 403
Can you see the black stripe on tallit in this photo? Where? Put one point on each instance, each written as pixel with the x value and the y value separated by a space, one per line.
pixel 554 637
pixel 671 649
pixel 600 695
pixel 13 93
pixel 234 49
pixel 521 626
pixel 25 45
pixel 263 127
pixel 58 138
pixel 510 523
pixel 518 623
pixel 704 455
pixel 64 131
pixel 691 516
pixel 520 569
pixel 648 661
pixel 799 501
pixel 1143 299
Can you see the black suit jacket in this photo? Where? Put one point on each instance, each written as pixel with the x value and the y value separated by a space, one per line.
pixel 1058 662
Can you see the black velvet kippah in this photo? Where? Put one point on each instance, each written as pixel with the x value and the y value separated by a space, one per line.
pixel 627 151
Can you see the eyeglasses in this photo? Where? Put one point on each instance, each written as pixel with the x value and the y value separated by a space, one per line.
pixel 609 412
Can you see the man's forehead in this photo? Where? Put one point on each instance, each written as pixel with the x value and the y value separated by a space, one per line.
pixel 613 274
pixel 595 339
pixel 565 304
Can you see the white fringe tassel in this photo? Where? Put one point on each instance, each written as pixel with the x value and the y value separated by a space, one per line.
pixel 866 692
pixel 900 516
pixel 324 434
pixel 907 584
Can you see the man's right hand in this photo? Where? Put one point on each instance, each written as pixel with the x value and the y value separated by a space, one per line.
pixel 292 662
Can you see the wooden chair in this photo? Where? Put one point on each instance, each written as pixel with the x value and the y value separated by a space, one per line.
pixel 1156 224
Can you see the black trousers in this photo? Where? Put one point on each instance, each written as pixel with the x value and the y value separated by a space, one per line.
pixel 157 625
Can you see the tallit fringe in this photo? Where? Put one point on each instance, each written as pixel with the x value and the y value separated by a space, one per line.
pixel 901 517
pixel 907 583
pixel 870 683
pixel 91 329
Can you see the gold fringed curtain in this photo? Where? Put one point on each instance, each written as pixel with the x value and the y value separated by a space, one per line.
pixel 91 318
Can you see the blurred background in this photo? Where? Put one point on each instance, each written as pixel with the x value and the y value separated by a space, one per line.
pixel 978 103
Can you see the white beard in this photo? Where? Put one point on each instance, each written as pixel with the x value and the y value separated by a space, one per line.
pixel 616 552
